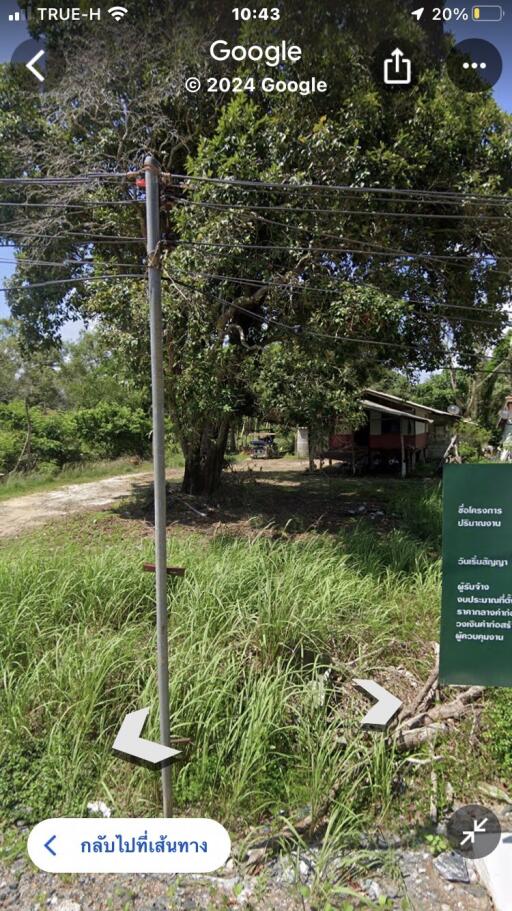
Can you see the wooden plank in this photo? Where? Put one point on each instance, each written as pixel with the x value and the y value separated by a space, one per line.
pixel 171 570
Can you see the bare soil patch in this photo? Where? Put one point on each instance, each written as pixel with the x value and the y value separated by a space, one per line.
pixel 275 497
pixel 21 514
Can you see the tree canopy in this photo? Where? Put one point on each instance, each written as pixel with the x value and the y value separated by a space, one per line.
pixel 289 278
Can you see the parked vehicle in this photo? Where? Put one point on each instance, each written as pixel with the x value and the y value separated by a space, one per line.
pixel 264 447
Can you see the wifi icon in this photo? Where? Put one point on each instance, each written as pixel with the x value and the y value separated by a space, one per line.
pixel 118 12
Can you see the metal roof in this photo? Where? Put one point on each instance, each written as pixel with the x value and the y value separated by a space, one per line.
pixel 397 398
pixel 402 414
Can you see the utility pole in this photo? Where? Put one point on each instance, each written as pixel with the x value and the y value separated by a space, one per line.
pixel 152 173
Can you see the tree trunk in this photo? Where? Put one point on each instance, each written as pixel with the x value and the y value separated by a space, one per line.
pixel 232 438
pixel 204 460
pixel 311 449
pixel 313 445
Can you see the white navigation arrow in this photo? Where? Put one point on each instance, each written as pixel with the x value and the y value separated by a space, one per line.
pixel 470 834
pixel 386 706
pixel 130 742
pixel 418 12
pixel 31 66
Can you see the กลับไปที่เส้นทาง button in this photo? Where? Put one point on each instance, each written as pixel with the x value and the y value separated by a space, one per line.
pixel 149 845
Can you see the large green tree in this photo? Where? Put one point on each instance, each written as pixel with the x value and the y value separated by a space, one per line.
pixel 33 377
pixel 375 279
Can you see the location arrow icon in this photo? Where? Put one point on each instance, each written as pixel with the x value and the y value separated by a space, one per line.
pixel 31 65
pixel 129 741
pixel 385 708
pixel 418 12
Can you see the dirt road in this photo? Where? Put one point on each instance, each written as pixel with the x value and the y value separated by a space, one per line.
pixel 20 514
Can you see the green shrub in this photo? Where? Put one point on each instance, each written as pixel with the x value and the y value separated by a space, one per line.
pixel 109 430
pixel 472 439
pixel 60 438
pixel 48 470
pixel 285 442
pixel 11 443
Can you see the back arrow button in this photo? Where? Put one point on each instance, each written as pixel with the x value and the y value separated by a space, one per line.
pixel 31 65
pixel 48 843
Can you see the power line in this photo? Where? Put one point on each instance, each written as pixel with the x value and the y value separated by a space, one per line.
pixel 289 286
pixel 70 281
pixel 66 263
pixel 431 195
pixel 347 238
pixel 442 195
pixel 370 247
pixel 337 250
pixel 85 262
pixel 466 319
pixel 366 212
pixel 58 181
pixel 93 204
pixel 313 249
pixel 283 285
pixel 294 329
pixel 368 250
pixel 76 234
pixel 300 331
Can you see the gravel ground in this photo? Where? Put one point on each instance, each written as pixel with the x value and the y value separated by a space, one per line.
pixel 428 891
pixel 24 889
pixel 276 887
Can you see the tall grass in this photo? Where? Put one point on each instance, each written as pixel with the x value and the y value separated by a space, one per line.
pixel 253 629
pixel 420 507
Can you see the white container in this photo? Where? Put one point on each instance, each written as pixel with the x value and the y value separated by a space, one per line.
pixel 302 446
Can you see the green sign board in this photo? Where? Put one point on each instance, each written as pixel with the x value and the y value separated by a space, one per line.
pixel 476 618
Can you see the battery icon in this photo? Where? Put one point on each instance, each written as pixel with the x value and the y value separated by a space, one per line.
pixel 487 13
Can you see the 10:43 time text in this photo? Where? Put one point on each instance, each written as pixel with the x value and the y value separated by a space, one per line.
pixel 245 13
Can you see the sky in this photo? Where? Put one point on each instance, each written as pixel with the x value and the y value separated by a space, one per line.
pixel 12 34
pixel 499 34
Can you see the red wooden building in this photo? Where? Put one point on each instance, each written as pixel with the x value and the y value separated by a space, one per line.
pixel 397 433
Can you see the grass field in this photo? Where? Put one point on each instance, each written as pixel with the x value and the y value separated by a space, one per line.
pixel 267 633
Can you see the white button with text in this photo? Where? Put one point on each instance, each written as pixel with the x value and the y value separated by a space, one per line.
pixel 129 845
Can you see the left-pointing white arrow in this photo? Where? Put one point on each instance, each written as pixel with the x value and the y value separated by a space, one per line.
pixel 31 66
pixel 130 742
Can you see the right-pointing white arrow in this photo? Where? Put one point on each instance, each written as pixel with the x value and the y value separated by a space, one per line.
pixel 31 66
pixel 130 742
pixel 386 706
